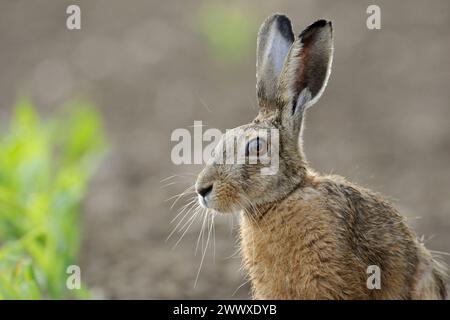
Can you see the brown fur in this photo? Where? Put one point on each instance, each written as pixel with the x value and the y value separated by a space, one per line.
pixel 318 242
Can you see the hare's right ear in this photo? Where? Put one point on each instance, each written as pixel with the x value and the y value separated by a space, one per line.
pixel 275 37
pixel 305 73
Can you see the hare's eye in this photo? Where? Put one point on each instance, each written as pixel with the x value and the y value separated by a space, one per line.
pixel 256 147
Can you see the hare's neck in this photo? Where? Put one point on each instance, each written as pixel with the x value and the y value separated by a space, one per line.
pixel 275 244
pixel 267 251
pixel 257 211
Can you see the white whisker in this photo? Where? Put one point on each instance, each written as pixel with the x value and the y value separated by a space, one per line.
pixel 200 234
pixel 237 289
pixel 181 195
pixel 203 257
pixel 192 219
pixel 193 200
pixel 181 220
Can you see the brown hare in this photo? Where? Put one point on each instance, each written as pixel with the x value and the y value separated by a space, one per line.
pixel 304 235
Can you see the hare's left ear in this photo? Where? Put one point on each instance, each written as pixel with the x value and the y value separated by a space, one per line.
pixel 275 37
pixel 305 72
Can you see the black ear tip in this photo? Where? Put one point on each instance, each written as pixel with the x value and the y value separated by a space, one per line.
pixel 284 26
pixel 317 25
pixel 278 17
pixel 282 22
pixel 282 18
pixel 321 23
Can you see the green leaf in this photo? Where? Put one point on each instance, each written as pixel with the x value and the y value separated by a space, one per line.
pixel 45 166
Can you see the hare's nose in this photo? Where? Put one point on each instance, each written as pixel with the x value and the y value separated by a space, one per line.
pixel 204 191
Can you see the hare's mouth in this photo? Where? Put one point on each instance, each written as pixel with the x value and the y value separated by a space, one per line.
pixel 219 196
pixel 204 202
pixel 209 201
pixel 212 201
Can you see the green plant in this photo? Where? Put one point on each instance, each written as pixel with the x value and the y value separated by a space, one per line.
pixel 229 31
pixel 45 166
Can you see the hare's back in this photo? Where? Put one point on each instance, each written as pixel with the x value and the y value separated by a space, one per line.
pixel 373 231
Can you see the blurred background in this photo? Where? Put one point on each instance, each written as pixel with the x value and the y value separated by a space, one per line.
pixel 149 67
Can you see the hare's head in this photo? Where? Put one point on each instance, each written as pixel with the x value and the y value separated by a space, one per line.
pixel 291 74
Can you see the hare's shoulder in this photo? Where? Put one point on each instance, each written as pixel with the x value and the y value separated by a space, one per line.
pixel 358 213
pixel 348 198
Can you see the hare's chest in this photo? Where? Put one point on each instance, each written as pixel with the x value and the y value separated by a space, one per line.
pixel 287 254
